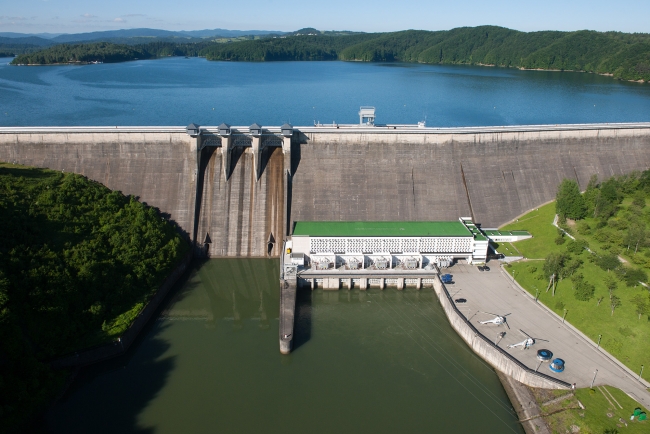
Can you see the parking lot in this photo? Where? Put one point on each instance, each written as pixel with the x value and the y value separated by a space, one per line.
pixel 493 291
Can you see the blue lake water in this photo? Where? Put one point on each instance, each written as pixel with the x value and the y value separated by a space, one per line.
pixel 178 91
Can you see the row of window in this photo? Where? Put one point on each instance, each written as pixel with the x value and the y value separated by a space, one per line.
pixel 392 245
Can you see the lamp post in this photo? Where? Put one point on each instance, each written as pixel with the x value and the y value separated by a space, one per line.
pixel 536 293
pixel 592 381
pixel 599 338
pixel 641 373
pixel 565 312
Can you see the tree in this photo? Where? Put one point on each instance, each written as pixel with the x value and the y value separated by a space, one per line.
pixel 611 284
pixel 554 263
pixel 569 201
pixel 583 290
pixel 642 304
pixel 614 302
pixel 638 198
pixel 635 236
pixel 633 276
pixel 608 262
pixel 577 247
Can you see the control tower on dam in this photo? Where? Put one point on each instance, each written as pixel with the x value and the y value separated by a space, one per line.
pixel 237 191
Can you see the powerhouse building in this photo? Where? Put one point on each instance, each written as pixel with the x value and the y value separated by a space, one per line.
pixel 386 245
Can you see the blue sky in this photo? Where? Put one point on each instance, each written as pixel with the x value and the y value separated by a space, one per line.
pixel 73 16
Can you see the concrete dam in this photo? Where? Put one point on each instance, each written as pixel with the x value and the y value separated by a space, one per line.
pixel 236 191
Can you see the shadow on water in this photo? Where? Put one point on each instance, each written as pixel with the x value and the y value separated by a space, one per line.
pixel 302 319
pixel 112 396
pixel 144 368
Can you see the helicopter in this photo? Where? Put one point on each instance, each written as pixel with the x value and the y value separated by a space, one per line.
pixel 526 344
pixel 498 320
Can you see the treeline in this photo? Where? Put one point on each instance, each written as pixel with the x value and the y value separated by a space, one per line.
pixel 77 264
pixel 622 55
pixel 107 52
pixel 625 56
pixel 82 53
pixel 302 47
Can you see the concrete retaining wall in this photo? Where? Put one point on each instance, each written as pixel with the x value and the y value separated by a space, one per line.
pixel 498 358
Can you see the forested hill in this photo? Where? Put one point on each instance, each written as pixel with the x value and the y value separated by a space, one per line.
pixel 623 55
pixel 77 264
pixel 107 52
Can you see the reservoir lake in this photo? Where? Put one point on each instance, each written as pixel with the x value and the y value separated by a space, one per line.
pixel 376 361
pixel 179 91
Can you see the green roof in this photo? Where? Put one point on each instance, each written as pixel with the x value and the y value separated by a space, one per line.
pixel 506 233
pixel 381 229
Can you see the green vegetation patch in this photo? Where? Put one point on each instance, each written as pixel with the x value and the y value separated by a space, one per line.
pixel 605 409
pixel 77 264
pixel 382 229
pixel 506 249
pixel 597 276
pixel 539 224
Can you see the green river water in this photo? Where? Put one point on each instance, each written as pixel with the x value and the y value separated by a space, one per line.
pixel 364 362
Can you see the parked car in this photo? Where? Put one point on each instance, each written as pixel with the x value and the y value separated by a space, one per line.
pixel 460 300
pixel 446 278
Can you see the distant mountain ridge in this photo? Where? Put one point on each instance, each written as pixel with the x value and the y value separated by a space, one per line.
pixel 59 38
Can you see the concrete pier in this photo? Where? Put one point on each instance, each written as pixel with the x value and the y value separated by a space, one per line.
pixel 287 312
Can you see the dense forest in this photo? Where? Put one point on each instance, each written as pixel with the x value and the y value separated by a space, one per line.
pixel 623 55
pixel 77 264
pixel 107 52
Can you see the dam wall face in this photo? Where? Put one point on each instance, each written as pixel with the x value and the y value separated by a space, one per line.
pixel 365 174
pixel 242 216
pixel 159 166
pixel 492 177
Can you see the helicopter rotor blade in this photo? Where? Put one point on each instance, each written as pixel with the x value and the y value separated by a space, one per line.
pixel 507 314
pixel 506 323
pixel 538 339
pixel 525 333
pixel 489 313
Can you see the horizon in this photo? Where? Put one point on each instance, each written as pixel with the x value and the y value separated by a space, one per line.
pixel 75 16
pixel 266 31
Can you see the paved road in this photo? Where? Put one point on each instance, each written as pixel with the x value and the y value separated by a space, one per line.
pixel 493 291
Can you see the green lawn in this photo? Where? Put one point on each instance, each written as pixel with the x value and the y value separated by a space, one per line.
pixel 507 249
pixel 624 335
pixel 539 224
pixel 601 412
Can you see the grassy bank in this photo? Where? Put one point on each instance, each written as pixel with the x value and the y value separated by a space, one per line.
pixel 605 408
pixel 624 334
